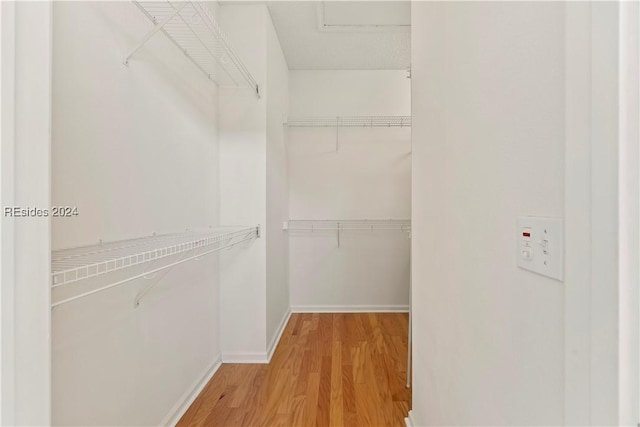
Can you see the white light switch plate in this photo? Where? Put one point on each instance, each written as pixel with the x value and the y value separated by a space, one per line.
pixel 540 245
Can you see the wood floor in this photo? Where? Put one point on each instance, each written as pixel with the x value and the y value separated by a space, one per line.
pixel 328 370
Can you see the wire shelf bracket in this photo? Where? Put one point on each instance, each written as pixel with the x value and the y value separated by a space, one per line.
pixel 76 265
pixel 192 28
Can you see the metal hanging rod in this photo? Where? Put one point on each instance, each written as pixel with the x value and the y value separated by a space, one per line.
pixel 350 121
pixel 77 264
pixel 192 28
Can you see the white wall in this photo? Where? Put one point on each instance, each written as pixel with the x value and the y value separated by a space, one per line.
pixel 253 175
pixel 629 158
pixel 135 149
pixel 25 262
pixel 7 263
pixel 277 187
pixel 243 192
pixel 577 213
pixel 488 129
pixel 601 199
pixel 367 178
pixel 601 322
pixel 604 309
pixel 566 81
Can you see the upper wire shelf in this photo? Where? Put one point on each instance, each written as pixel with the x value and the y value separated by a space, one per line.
pixel 350 121
pixel 73 265
pixel 193 29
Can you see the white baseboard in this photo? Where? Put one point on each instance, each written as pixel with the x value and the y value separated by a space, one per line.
pixel 245 357
pixel 276 337
pixel 350 309
pixel 408 421
pixel 179 409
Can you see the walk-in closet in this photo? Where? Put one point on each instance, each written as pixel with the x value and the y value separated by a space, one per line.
pixel 233 246
pixel 319 213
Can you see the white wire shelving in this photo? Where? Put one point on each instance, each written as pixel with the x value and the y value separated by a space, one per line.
pixel 339 226
pixel 156 253
pixel 350 121
pixel 193 29
pixel 338 122
pixel 348 224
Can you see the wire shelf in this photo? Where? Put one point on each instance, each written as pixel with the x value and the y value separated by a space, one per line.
pixel 75 264
pixel 353 224
pixel 193 29
pixel 339 226
pixel 350 121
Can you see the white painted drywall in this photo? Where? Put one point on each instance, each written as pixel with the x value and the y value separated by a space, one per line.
pixel 7 194
pixel 598 113
pixel 253 179
pixel 135 149
pixel 577 282
pixel 367 178
pixel 605 291
pixel 26 157
pixel 243 193
pixel 349 92
pixel 629 231
pixel 488 129
pixel 593 387
pixel 277 93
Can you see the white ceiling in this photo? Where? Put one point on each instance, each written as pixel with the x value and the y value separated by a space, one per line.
pixel 343 35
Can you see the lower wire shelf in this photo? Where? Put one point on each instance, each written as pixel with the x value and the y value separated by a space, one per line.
pixel 295 226
pixel 348 224
pixel 74 266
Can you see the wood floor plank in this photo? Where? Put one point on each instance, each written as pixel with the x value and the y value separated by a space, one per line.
pixel 350 329
pixel 336 417
pixel 338 322
pixel 220 413
pixel 243 382
pixel 311 404
pixel 295 319
pixel 324 393
pixel 210 397
pixel 325 333
pixel 358 359
pixel 305 370
pixel 348 392
pixel 328 370
pixel 364 321
pixel 383 387
pixel 256 398
pixel 297 410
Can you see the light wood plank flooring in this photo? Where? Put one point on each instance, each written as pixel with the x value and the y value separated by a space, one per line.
pixel 328 370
